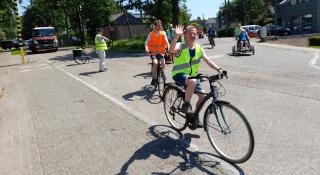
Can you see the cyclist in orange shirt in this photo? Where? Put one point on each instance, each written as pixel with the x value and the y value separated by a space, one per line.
pixel 155 46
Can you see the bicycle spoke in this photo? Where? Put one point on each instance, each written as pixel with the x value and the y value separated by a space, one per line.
pixel 229 133
pixel 171 104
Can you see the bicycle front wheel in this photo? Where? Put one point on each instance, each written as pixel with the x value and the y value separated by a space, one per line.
pixel 172 101
pixel 229 132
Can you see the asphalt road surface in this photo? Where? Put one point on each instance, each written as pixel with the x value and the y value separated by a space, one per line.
pixel 59 117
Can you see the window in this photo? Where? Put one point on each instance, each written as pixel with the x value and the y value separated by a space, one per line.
pixel 296 24
pixel 307 23
pixel 293 2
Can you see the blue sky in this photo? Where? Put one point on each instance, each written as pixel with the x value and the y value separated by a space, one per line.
pixel 198 8
pixel 208 8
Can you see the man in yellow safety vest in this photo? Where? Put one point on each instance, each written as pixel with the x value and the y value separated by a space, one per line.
pixel 101 47
pixel 186 63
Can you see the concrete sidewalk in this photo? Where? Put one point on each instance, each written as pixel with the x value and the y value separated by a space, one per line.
pixel 52 124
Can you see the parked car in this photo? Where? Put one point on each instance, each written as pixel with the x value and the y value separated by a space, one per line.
pixel 277 30
pixel 252 28
pixel 8 44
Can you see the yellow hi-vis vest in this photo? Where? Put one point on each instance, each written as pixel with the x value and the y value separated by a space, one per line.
pixel 184 64
pixel 100 45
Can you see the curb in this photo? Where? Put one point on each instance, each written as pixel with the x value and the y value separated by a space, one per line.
pixel 280 46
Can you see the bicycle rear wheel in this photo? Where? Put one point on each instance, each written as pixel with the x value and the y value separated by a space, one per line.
pixel 172 101
pixel 229 132
pixel 160 81
pixel 79 59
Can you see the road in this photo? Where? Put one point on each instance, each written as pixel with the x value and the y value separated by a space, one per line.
pixel 58 117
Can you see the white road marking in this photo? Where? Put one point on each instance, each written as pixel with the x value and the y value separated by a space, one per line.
pixel 45 67
pixel 22 67
pixel 39 65
pixel 216 56
pixel 128 109
pixel 26 70
pixel 313 61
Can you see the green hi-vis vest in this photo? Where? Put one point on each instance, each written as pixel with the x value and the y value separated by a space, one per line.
pixel 184 64
pixel 100 45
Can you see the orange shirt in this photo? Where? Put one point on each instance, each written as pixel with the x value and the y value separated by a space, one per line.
pixel 157 44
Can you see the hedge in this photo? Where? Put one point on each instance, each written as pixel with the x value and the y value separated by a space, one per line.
pixel 129 44
pixel 222 32
pixel 314 41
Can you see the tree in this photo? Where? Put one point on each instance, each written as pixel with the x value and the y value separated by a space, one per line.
pixel 175 12
pixel 80 17
pixel 185 16
pixel 7 20
pixel 245 11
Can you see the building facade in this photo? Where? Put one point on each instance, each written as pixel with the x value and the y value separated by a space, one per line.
pixel 119 28
pixel 300 16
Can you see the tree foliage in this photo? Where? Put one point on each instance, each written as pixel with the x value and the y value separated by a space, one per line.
pixel 7 20
pixel 80 18
pixel 246 11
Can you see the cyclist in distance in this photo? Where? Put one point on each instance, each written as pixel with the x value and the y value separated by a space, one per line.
pixel 186 63
pixel 211 34
pixel 243 39
pixel 156 45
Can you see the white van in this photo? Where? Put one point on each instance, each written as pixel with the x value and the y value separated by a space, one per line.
pixel 252 28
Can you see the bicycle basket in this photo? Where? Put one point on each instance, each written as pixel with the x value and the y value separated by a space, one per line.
pixel 77 52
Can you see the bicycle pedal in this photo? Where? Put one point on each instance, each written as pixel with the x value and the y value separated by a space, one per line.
pixel 192 126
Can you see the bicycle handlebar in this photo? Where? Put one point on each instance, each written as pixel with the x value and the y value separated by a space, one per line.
pixel 213 78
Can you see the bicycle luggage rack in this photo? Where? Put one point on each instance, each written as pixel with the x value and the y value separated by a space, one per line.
pixel 78 52
pixel 80 56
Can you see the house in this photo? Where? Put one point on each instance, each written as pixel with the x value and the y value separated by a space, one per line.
pixel 119 28
pixel 301 16
pixel 212 22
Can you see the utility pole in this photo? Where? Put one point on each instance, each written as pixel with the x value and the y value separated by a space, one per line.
pixel 225 17
pixel 18 28
pixel 203 22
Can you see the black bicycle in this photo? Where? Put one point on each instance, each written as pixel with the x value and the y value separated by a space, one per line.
pixel 161 79
pixel 80 56
pixel 212 42
pixel 227 128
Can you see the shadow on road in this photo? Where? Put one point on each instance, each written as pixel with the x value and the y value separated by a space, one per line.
pixel 110 54
pixel 146 75
pixel 89 73
pixel 168 143
pixel 145 93
pixel 63 58
pixel 239 55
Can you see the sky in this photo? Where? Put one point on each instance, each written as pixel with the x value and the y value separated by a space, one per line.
pixel 25 3
pixel 206 8
pixel 198 8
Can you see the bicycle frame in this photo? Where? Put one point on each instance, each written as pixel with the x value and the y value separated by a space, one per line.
pixel 213 105
pixel 159 71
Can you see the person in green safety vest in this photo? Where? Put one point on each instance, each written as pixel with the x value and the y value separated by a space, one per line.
pixel 170 32
pixel 186 63
pixel 101 47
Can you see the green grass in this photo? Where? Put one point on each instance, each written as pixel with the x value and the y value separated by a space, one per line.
pixel 15 52
pixel 317 47
pixel 129 45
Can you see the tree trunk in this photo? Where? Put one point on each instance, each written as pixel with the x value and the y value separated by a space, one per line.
pixel 125 13
pixel 66 21
pixel 175 12
pixel 80 23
